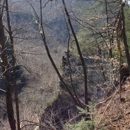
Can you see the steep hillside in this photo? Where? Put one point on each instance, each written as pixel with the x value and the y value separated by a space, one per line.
pixel 113 114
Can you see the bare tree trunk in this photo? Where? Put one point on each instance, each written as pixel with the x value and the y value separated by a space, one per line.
pixel 108 32
pixel 125 38
pixel 13 66
pixel 80 54
pixel 5 71
pixel 41 29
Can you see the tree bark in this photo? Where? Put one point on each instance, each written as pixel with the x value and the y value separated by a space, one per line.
pixel 125 38
pixel 13 66
pixel 5 71
pixel 80 54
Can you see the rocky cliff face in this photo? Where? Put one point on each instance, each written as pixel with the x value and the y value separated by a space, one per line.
pixel 102 75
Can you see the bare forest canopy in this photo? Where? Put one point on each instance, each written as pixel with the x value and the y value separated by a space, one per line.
pixel 60 61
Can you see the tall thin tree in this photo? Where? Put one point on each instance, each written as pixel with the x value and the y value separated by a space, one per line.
pixel 6 74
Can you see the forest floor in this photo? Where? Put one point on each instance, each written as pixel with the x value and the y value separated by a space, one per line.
pixel 114 114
